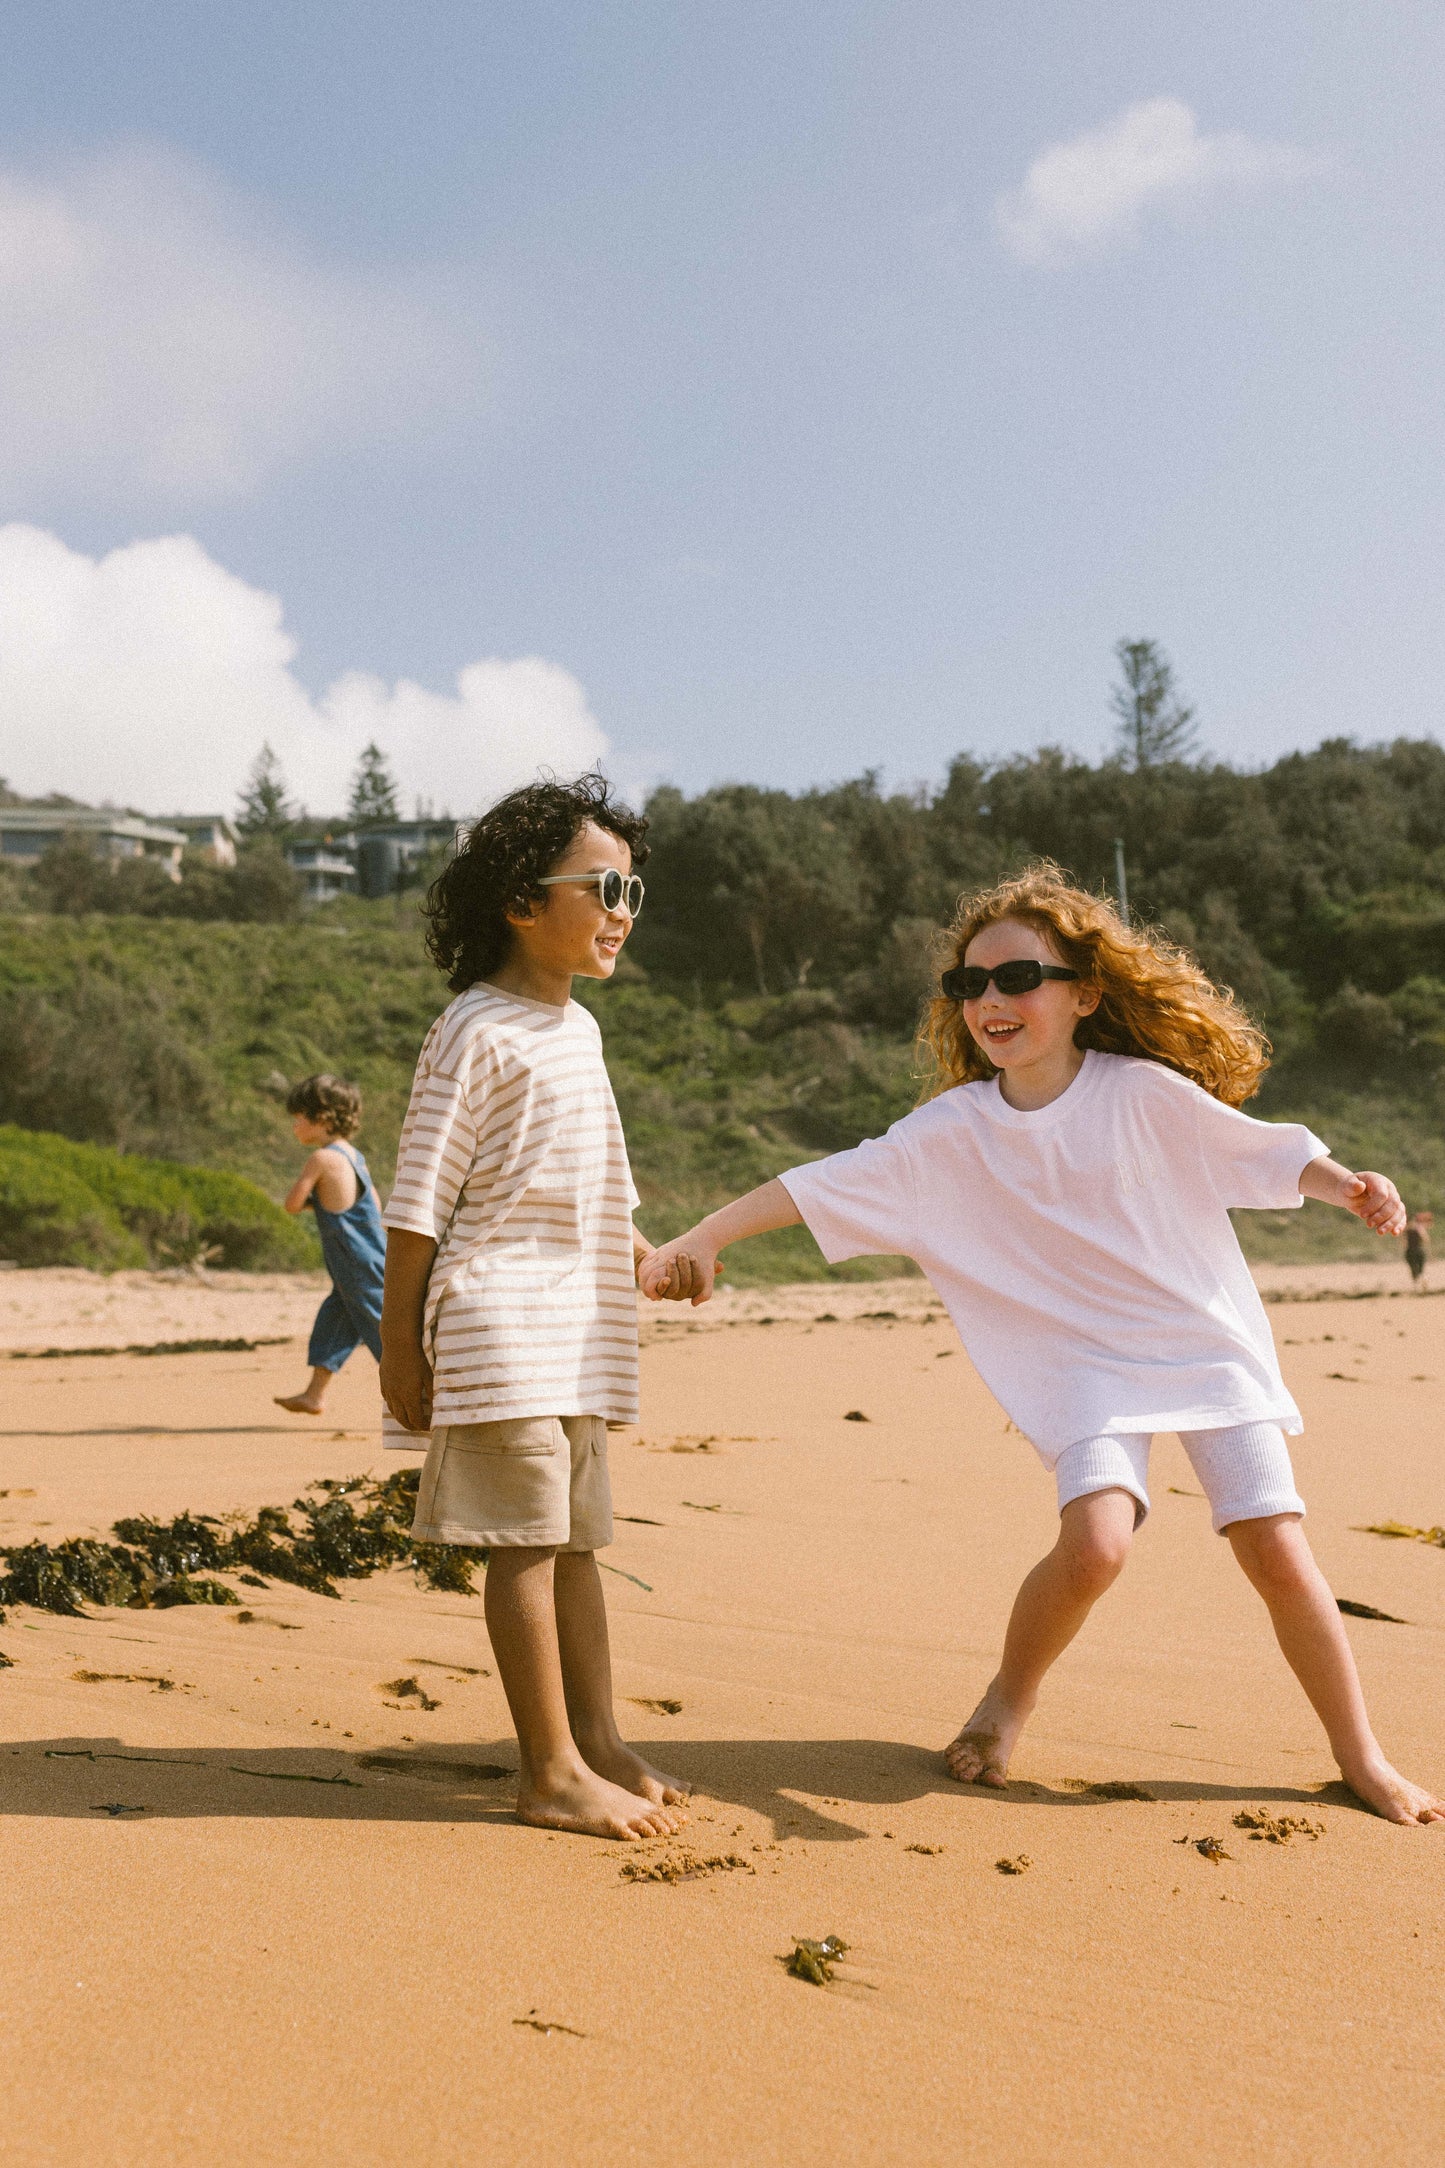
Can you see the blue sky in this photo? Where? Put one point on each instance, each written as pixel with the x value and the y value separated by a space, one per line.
pixel 742 390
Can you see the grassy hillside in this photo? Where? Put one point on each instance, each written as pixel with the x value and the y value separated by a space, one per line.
pixel 178 1039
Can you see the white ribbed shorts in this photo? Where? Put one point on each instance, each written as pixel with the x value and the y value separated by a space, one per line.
pixel 1245 1473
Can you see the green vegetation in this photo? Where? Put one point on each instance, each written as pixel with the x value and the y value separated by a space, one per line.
pixel 63 1203
pixel 764 1009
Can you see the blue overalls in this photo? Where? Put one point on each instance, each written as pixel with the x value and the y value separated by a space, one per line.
pixel 353 1248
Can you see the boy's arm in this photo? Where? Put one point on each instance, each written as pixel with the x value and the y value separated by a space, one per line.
pixel 296 1196
pixel 684 1270
pixel 406 1381
pixel 1371 1197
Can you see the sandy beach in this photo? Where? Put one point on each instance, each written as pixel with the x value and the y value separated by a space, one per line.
pixel 258 1908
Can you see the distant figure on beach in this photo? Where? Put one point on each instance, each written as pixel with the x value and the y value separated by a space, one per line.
pixel 510 1327
pixel 1417 1244
pixel 336 1186
pixel 1067 1190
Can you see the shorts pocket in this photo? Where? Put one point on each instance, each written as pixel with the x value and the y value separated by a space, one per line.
pixel 533 1436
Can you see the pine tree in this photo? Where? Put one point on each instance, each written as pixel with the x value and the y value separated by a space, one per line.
pixel 1155 727
pixel 373 791
pixel 264 808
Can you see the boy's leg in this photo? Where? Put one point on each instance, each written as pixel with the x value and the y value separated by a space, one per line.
pixel 309 1401
pixel 557 1790
pixel 1274 1552
pixel 587 1682
pixel 333 1338
pixel 1095 1532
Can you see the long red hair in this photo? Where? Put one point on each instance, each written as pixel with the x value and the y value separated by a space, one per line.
pixel 1154 999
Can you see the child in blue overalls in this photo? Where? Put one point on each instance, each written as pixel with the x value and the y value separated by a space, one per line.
pixel 335 1184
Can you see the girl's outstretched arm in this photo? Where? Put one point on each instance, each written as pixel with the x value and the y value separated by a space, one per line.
pixel 684 1270
pixel 1371 1197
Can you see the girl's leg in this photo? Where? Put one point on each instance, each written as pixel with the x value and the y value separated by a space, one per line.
pixel 586 1663
pixel 1095 1533
pixel 1276 1556
pixel 557 1790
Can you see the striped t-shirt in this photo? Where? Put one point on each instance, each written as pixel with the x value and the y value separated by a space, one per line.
pixel 512 1159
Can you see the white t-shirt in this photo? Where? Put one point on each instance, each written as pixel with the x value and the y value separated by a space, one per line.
pixel 1084 1250
pixel 512 1158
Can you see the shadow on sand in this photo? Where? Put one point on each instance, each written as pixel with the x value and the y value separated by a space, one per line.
pixel 805 1786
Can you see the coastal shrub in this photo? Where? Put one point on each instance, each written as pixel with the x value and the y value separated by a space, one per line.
pixel 63 1203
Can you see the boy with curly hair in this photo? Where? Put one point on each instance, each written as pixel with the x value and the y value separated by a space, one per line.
pixel 336 1185
pixel 509 1329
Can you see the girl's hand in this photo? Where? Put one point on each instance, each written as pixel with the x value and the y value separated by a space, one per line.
pixel 406 1384
pixel 680 1271
pixel 1375 1199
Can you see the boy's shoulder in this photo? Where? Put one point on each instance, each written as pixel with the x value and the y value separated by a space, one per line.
pixel 484 1019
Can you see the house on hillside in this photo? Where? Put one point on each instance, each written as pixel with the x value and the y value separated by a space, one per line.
pixel 209 835
pixel 324 867
pixel 28 830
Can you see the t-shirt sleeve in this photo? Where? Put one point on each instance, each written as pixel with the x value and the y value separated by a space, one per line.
pixel 438 1141
pixel 860 1203
pixel 1254 1165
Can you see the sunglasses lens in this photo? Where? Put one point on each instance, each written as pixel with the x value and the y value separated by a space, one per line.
pixel 964 983
pixel 634 896
pixel 611 890
pixel 1018 978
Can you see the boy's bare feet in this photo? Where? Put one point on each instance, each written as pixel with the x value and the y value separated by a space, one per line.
pixel 619 1765
pixel 983 1749
pixel 586 1805
pixel 1389 1794
pixel 298 1403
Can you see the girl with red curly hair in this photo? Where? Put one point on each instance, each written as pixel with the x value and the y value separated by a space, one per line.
pixel 1066 1185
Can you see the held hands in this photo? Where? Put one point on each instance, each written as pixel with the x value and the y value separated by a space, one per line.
pixel 1375 1199
pixel 680 1271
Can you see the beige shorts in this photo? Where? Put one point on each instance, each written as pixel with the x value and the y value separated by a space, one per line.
pixel 539 1482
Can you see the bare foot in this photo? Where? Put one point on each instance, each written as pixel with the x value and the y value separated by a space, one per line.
pixel 298 1403
pixel 588 1806
pixel 1395 1797
pixel 620 1765
pixel 983 1749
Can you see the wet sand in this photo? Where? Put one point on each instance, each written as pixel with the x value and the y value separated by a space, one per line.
pixel 258 1970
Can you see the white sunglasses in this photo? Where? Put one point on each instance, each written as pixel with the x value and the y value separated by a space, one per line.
pixel 617 891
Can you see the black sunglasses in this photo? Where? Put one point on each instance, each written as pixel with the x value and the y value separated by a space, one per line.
pixel 969 982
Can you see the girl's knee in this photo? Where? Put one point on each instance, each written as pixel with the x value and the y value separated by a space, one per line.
pixel 1095 1536
pixel 1273 1551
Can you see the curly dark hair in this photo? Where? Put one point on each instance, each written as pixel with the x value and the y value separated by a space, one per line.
pixel 329 1100
pixel 500 866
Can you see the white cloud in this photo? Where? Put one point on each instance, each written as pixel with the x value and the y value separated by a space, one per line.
pixel 1079 197
pixel 156 336
pixel 151 676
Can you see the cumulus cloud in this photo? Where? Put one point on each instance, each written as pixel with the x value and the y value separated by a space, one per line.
pixel 151 676
pixel 1080 198
pixel 157 336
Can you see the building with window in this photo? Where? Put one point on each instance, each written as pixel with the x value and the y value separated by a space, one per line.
pixel 324 867
pixel 28 830
pixel 210 835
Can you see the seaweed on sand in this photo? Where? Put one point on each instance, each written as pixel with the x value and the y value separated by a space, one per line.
pixel 813 1961
pixel 352 1529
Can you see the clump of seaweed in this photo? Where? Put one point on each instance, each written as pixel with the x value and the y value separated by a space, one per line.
pixel 1276 1828
pixel 1352 1609
pixel 1403 1532
pixel 355 1527
pixel 814 1961
pixel 1211 1849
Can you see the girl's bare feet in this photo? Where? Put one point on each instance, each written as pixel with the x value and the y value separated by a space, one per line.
pixel 1383 1789
pixel 586 1805
pixel 298 1403
pixel 983 1749
pixel 619 1765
